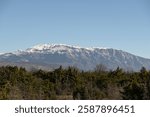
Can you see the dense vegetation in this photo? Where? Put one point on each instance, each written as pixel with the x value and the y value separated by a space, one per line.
pixel 71 83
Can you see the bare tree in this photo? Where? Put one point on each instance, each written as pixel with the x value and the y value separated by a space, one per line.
pixel 100 68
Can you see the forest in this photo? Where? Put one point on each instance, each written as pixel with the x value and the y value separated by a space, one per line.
pixel 16 83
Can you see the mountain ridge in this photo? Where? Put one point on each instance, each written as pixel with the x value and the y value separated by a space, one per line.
pixel 83 58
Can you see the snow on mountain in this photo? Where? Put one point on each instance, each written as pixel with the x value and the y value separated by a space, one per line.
pixel 84 58
pixel 56 47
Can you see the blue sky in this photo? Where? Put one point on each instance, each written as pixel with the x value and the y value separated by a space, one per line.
pixel 119 24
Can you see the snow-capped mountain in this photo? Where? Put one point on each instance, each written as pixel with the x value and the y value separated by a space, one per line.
pixel 53 55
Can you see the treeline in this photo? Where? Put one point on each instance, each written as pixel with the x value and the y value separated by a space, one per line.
pixel 71 83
